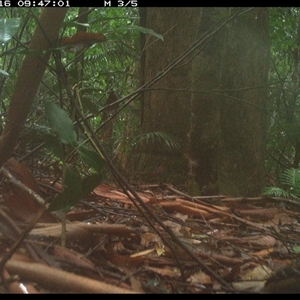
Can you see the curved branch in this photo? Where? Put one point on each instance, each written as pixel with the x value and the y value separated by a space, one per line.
pixel 29 77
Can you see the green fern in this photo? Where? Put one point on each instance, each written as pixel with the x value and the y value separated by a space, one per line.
pixel 274 191
pixel 291 178
pixel 156 137
pixel 289 182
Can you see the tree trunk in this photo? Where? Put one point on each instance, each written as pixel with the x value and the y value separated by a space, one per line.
pixel 29 77
pixel 220 117
pixel 204 132
pixel 228 121
pixel 166 107
pixel 243 106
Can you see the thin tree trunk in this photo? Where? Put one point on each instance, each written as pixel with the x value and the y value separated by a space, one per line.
pixel 29 77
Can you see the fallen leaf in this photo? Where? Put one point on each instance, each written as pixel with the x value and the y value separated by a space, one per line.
pixel 199 278
pixel 166 271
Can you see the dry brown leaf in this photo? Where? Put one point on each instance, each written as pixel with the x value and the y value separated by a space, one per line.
pixel 73 256
pixel 264 252
pixel 249 286
pixel 20 202
pixel 166 271
pixel 191 211
pixel 259 272
pixel 260 241
pixel 143 253
pixel 258 214
pixel 199 278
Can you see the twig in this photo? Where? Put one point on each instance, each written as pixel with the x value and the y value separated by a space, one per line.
pixel 30 226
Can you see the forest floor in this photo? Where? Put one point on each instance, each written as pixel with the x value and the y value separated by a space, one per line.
pixel 219 244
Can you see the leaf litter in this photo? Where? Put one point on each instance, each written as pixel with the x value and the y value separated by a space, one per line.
pixel 111 248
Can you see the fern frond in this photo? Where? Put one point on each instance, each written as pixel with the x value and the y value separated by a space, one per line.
pixel 291 178
pixel 157 137
pixel 274 191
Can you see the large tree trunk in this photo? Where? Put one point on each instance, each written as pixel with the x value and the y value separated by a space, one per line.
pixel 228 121
pixel 204 132
pixel 221 120
pixel 243 108
pixel 165 109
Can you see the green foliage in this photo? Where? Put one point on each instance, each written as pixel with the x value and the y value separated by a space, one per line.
pixel 8 28
pixel 275 191
pixel 157 138
pixel 91 158
pixel 283 147
pixel 60 123
pixel 71 191
pixel 296 249
pixel 73 186
pixel 289 182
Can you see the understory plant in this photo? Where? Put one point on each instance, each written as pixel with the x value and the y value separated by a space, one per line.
pixel 289 185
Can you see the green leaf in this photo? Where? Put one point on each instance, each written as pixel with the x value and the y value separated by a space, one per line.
pixel 53 144
pixel 91 158
pixel 71 193
pixel 89 183
pixel 291 178
pixel 4 73
pixel 296 249
pixel 75 190
pixel 60 123
pixel 8 28
pixel 274 191
pixel 145 30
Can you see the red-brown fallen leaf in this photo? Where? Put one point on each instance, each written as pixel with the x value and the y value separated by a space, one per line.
pixel 74 215
pixel 264 252
pixel 166 271
pixel 81 40
pixel 107 192
pixel 258 214
pixel 259 241
pixel 191 211
pixel 19 202
pixel 71 255
pixel 209 208
pixel 225 260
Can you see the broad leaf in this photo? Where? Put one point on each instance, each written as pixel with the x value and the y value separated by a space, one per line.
pixel 89 183
pixel 8 28
pixel 4 73
pixel 71 193
pixel 60 123
pixel 91 158
pixel 53 144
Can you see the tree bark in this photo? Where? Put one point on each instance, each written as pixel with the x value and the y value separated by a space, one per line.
pixel 220 117
pixel 29 77
pixel 243 106
pixel 166 106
